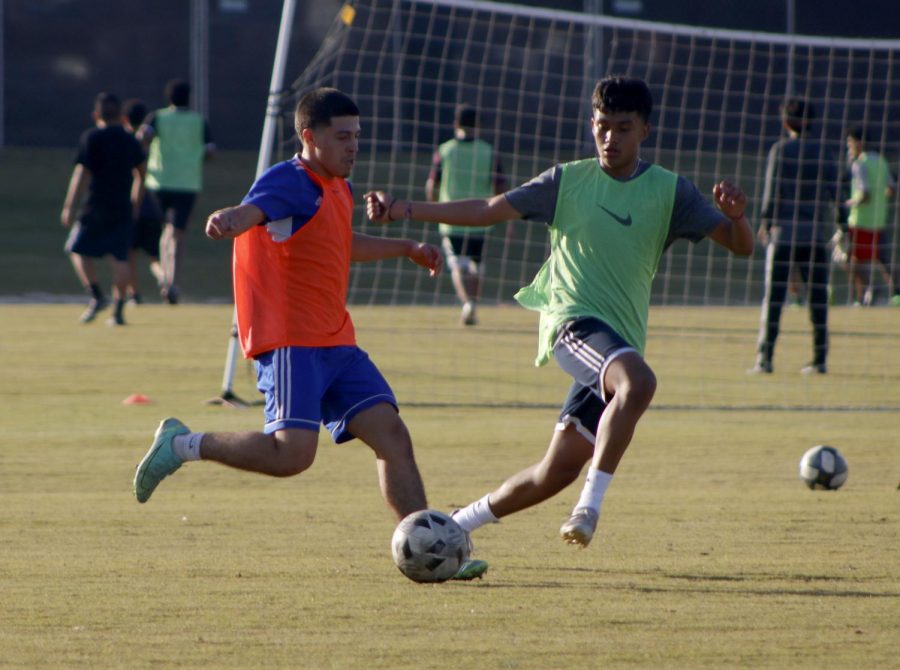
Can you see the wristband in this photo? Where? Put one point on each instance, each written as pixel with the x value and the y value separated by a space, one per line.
pixel 389 218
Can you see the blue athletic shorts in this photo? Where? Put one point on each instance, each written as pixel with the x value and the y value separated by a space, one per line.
pixel 308 386
pixel 584 348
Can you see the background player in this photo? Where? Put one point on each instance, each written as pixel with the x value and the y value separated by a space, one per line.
pixel 872 188
pixel 110 167
pixel 179 140
pixel 464 167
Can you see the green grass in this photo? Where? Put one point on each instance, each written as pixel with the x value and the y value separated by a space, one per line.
pixel 710 554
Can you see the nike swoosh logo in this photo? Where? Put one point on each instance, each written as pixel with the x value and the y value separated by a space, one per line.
pixel 625 221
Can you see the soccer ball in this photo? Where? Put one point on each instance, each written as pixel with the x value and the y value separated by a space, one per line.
pixel 823 467
pixel 429 546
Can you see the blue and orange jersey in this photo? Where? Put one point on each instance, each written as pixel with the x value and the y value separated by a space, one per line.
pixel 292 272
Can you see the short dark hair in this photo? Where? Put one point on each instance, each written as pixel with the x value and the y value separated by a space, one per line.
pixel 623 94
pixel 797 114
pixel 466 116
pixel 178 92
pixel 135 111
pixel 319 106
pixel 108 107
pixel 858 133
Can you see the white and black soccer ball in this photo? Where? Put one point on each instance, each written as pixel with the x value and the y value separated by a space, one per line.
pixel 823 467
pixel 429 546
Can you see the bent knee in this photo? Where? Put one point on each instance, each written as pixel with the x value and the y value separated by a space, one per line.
pixel 638 388
pixel 295 452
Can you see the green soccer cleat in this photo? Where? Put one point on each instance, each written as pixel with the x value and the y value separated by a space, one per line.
pixel 579 528
pixel 160 461
pixel 470 569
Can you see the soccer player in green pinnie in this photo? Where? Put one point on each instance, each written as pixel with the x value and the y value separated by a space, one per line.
pixel 610 218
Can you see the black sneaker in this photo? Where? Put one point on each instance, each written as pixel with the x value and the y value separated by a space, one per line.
pixel 95 306
pixel 171 294
pixel 118 315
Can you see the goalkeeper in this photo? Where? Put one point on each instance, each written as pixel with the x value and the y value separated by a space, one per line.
pixel 610 218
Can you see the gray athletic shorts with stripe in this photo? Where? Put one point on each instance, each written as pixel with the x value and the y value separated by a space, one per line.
pixel 584 349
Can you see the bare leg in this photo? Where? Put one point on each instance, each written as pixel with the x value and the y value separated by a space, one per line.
pixel 133 272
pixel 281 454
pixel 121 276
pixel 561 465
pixel 176 254
pixel 84 268
pixel 459 286
pixel 383 430
pixel 632 384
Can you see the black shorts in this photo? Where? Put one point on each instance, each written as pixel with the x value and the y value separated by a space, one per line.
pixel 584 349
pixel 176 206
pixel 468 246
pixel 146 237
pixel 96 236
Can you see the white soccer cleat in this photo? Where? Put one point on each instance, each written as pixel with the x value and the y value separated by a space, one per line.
pixel 580 527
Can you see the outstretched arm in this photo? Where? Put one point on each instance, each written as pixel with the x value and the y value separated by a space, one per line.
pixel 230 222
pixel 381 207
pixel 368 248
pixel 735 233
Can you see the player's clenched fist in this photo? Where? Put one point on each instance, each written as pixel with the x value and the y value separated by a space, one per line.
pixel 730 199
pixel 217 225
pixel 230 222
pixel 378 206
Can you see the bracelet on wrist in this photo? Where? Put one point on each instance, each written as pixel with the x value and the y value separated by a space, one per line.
pixel 389 217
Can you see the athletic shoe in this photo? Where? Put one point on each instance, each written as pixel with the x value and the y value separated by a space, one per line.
pixel 467 316
pixel 160 461
pixel 580 527
pixel 470 569
pixel 95 306
pixel 170 294
pixel 762 367
pixel 814 369
pixel 118 316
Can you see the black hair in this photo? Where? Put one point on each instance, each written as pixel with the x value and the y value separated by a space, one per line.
pixel 135 111
pixel 466 116
pixel 797 114
pixel 858 133
pixel 319 106
pixel 623 94
pixel 108 107
pixel 178 92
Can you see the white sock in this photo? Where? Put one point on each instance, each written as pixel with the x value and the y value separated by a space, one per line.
pixel 475 515
pixel 187 447
pixel 594 489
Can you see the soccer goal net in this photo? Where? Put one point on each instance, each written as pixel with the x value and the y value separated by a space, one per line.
pixel 530 72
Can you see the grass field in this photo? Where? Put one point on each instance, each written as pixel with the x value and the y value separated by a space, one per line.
pixel 711 553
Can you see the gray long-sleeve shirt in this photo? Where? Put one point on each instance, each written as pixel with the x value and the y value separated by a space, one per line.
pixel 800 188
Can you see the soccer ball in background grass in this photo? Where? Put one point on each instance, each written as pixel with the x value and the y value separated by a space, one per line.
pixel 429 546
pixel 823 467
